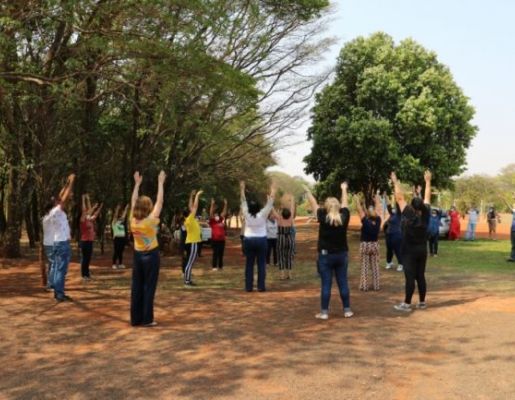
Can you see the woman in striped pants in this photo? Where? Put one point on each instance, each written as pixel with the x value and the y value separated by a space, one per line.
pixel 285 238
pixel 369 246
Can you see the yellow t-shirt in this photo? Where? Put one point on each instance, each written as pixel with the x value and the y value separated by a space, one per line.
pixel 193 233
pixel 145 233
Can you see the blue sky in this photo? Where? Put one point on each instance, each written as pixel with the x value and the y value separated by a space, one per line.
pixel 475 38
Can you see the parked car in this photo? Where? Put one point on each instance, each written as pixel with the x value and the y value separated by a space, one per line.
pixel 205 233
pixel 445 223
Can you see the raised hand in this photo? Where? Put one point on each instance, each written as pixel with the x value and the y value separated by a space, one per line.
pixel 393 177
pixel 427 176
pixel 242 185
pixel 161 177
pixel 138 178
pixel 344 186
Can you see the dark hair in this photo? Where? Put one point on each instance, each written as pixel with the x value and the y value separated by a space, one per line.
pixel 49 205
pixel 417 203
pixel 254 207
pixel 185 213
pixel 286 213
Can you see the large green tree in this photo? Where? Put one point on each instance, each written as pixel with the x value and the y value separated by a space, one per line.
pixel 390 107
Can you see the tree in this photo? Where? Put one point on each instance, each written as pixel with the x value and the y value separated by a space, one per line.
pixel 390 107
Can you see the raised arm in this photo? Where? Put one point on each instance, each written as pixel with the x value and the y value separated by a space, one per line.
pixel 156 212
pixel 377 204
pixel 345 194
pixel 212 208
pixel 135 192
pixel 84 206
pixel 115 213
pixel 427 191
pixel 271 198
pixel 399 195
pixel 124 215
pixel 359 207
pixel 96 211
pixel 311 199
pixel 194 206
pixel 66 191
pixel 224 211
pixel 190 201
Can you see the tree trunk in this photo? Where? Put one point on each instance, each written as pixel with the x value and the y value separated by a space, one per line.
pixel 10 246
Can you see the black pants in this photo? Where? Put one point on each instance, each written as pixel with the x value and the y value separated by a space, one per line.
pixel 218 253
pixel 271 249
pixel 433 244
pixel 118 246
pixel 393 246
pixel 145 273
pixel 187 262
pixel 199 249
pixel 86 250
pixel 414 262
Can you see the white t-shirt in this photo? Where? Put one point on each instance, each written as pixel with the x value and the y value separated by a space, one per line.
pixel 48 230
pixel 271 229
pixel 473 214
pixel 61 225
pixel 256 226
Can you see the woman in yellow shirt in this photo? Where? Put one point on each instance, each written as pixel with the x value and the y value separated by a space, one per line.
pixel 145 270
pixel 193 237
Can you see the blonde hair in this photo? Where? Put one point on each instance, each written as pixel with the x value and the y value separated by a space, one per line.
pixel 142 208
pixel 332 206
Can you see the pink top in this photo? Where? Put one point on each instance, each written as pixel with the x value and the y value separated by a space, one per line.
pixel 87 230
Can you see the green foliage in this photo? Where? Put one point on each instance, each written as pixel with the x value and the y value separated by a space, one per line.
pixel 390 107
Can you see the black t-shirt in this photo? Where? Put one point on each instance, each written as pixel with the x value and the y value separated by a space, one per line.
pixel 370 229
pixel 331 238
pixel 414 227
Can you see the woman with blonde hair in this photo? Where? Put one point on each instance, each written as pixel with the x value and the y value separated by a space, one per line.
pixel 145 270
pixel 332 249
pixel 369 243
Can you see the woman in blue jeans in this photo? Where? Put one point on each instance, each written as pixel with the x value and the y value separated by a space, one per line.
pixel 332 249
pixel 254 237
pixel 145 270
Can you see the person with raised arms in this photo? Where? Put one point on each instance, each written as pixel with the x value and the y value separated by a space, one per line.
pixel 333 249
pixel 87 234
pixel 119 236
pixel 285 238
pixel 61 243
pixel 254 237
pixel 369 243
pixel 144 225
pixel 193 236
pixel 393 236
pixel 217 224
pixel 415 220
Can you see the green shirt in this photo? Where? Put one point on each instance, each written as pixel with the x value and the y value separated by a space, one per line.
pixel 118 229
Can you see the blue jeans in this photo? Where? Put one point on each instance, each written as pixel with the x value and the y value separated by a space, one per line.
pixel 62 256
pixel 393 246
pixel 337 263
pixel 471 231
pixel 49 253
pixel 255 249
pixel 145 273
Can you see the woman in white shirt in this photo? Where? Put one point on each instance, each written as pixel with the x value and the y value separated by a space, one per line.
pixel 48 243
pixel 255 240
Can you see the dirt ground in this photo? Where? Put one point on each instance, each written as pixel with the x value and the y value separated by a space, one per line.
pixel 217 342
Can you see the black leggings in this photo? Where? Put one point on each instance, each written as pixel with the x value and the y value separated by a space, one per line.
pixel 218 253
pixel 414 262
pixel 118 246
pixel 86 248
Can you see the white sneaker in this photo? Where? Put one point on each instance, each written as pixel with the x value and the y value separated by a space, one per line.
pixel 121 266
pixel 403 307
pixel 421 306
pixel 214 269
pixel 115 266
pixel 348 314
pixel 400 268
pixel 389 265
pixel 323 316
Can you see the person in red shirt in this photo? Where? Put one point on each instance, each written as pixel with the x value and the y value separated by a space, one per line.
pixel 87 234
pixel 217 224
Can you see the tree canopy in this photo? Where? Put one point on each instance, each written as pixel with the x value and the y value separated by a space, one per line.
pixel 390 107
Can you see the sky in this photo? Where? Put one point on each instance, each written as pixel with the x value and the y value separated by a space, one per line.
pixel 474 38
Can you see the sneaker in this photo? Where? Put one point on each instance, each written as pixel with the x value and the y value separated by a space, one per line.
pixel 189 283
pixel 421 305
pixel 214 269
pixel 323 316
pixel 153 323
pixel 64 298
pixel 86 278
pixel 348 314
pixel 121 266
pixel 510 260
pixel 403 307
pixel 115 266
pixel 400 268
pixel 389 265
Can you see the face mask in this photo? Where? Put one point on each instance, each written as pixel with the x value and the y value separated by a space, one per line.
pixel 217 218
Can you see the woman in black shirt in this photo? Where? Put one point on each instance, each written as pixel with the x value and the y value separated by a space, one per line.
pixel 369 243
pixel 332 249
pixel 415 219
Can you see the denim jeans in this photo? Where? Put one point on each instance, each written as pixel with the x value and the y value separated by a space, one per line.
pixel 49 253
pixel 62 255
pixel 145 273
pixel 433 244
pixel 393 246
pixel 471 231
pixel 255 249
pixel 337 263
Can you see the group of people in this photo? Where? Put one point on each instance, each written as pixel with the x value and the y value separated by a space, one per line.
pixel 265 229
